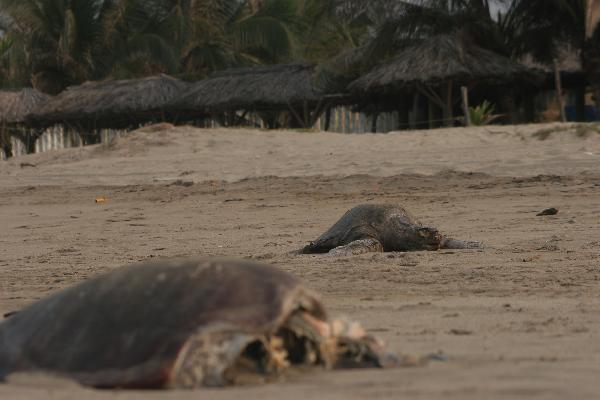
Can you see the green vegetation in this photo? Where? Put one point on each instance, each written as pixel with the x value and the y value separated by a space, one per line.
pixel 54 43
pixel 51 44
pixel 482 114
pixel 580 130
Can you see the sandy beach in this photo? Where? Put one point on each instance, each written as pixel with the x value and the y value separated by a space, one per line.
pixel 520 318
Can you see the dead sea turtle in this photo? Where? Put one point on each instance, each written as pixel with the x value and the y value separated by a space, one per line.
pixel 381 227
pixel 182 323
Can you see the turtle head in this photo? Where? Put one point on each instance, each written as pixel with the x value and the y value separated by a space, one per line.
pixel 430 238
pixel 314 247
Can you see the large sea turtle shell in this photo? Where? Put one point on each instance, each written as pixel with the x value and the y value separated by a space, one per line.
pixel 381 227
pixel 180 323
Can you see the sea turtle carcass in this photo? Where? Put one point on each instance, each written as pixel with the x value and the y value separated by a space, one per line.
pixel 183 323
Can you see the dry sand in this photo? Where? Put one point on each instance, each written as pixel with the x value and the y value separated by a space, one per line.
pixel 519 319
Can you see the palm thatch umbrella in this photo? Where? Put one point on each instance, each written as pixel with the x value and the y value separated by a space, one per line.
pixel 269 88
pixel 14 106
pixel 439 62
pixel 115 104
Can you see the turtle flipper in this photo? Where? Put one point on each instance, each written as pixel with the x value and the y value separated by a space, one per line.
pixel 358 247
pixel 449 243
pixel 10 314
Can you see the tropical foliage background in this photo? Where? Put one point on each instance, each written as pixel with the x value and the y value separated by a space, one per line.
pixel 51 44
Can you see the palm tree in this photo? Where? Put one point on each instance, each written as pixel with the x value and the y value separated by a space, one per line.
pixel 62 42
pixel 135 39
pixel 216 34
pixel 56 37
pixel 410 21
pixel 330 27
pixel 389 26
pixel 542 27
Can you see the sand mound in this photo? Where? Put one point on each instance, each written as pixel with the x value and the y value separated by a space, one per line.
pixel 136 142
pixel 140 140
pixel 163 153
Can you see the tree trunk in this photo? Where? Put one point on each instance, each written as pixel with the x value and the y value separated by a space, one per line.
pixel 465 103
pixel 559 94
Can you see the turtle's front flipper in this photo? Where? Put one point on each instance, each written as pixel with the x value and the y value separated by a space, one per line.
pixel 449 243
pixel 357 247
pixel 10 314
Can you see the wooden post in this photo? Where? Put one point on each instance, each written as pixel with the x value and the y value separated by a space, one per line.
pixel 415 111
pixel 374 122
pixel 347 120
pixel 430 113
pixel 558 84
pixel 465 99
pixel 402 114
pixel 448 114
pixel 306 119
pixel 336 119
pixel 295 114
pixel 327 119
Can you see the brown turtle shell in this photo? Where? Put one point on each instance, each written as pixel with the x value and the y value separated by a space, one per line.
pixel 129 327
pixel 389 224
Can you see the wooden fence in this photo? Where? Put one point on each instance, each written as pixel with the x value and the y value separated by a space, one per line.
pixel 57 137
pixel 343 120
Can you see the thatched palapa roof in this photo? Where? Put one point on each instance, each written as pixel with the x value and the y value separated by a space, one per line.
pixel 568 61
pixel 111 104
pixel 440 59
pixel 257 88
pixel 16 104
